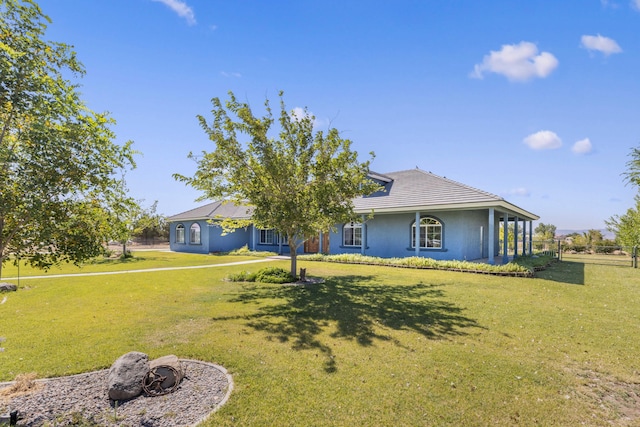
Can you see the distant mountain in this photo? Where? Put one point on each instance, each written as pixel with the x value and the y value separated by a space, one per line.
pixel 605 233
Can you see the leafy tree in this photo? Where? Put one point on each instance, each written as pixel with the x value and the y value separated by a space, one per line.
pixel 58 161
pixel 545 231
pixel 131 221
pixel 134 221
pixel 627 227
pixel 151 224
pixel 298 183
pixel 632 174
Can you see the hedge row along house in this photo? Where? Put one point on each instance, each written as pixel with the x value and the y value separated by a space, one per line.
pixel 417 213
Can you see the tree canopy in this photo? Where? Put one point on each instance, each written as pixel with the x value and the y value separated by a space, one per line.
pixel 545 231
pixel 297 181
pixel 59 167
pixel 627 226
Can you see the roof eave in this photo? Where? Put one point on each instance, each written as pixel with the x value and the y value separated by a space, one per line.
pixel 499 205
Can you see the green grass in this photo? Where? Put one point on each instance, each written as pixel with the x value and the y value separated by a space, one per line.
pixel 140 261
pixel 373 346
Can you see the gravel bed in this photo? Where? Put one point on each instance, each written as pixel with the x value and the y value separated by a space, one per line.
pixel 83 400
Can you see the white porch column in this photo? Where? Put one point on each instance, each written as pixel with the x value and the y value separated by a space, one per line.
pixel 491 237
pixel 417 234
pixel 363 248
pixel 505 238
pixel 530 237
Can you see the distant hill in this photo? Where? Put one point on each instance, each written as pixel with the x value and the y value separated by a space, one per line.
pixel 605 233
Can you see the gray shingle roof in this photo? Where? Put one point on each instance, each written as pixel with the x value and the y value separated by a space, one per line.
pixel 214 210
pixel 416 189
pixel 409 190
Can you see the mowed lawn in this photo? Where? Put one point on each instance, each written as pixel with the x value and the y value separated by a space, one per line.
pixel 373 346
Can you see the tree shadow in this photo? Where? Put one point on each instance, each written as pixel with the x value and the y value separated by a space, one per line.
pixel 360 308
pixel 569 272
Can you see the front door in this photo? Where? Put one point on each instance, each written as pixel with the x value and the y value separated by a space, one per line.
pixel 312 245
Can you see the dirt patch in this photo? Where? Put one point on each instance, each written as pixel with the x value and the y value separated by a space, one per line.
pixel 616 400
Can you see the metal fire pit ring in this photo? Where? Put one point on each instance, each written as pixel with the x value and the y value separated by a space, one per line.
pixel 161 380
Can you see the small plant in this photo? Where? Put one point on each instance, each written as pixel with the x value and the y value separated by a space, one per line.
pixel 243 276
pixel 274 275
pixel 245 251
pixel 266 275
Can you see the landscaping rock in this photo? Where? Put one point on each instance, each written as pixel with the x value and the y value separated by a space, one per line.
pixel 8 287
pixel 126 376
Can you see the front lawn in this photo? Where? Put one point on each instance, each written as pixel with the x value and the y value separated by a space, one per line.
pixel 372 346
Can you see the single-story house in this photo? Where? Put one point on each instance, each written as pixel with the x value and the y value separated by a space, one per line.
pixel 447 219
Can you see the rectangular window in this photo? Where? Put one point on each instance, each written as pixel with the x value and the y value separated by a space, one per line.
pixel 352 235
pixel 267 237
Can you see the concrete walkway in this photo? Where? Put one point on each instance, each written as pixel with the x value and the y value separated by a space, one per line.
pixel 148 270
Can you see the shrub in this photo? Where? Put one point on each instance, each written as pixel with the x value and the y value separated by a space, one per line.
pixel 522 266
pixel 243 276
pixel 274 275
pixel 266 275
pixel 245 251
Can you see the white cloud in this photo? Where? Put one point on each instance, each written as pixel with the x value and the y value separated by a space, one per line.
pixel 543 140
pixel 582 147
pixel 521 192
pixel 233 74
pixel 601 44
pixel 635 4
pixel 181 8
pixel 300 113
pixel 517 62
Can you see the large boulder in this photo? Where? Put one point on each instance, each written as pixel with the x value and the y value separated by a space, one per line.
pixel 126 376
pixel 8 287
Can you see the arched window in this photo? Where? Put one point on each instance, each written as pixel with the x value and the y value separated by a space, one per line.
pixel 179 233
pixel 430 233
pixel 194 233
pixel 352 234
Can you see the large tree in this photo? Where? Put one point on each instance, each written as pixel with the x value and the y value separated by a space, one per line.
pixel 627 227
pixel 545 231
pixel 59 168
pixel 298 181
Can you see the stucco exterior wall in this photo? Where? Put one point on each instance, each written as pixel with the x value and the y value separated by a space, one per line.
pixel 464 236
pixel 211 238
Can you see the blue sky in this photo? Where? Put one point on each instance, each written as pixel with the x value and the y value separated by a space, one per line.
pixel 535 101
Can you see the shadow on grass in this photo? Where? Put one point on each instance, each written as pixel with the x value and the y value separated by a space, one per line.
pixel 360 309
pixel 570 272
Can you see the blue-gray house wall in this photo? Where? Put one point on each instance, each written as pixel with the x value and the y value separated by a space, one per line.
pixel 212 239
pixel 464 236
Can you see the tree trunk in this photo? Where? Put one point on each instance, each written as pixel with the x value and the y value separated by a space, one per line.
pixel 294 257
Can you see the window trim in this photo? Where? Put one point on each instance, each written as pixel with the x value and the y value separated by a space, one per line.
pixel 353 226
pixel 265 232
pixel 180 233
pixel 440 233
pixel 195 231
